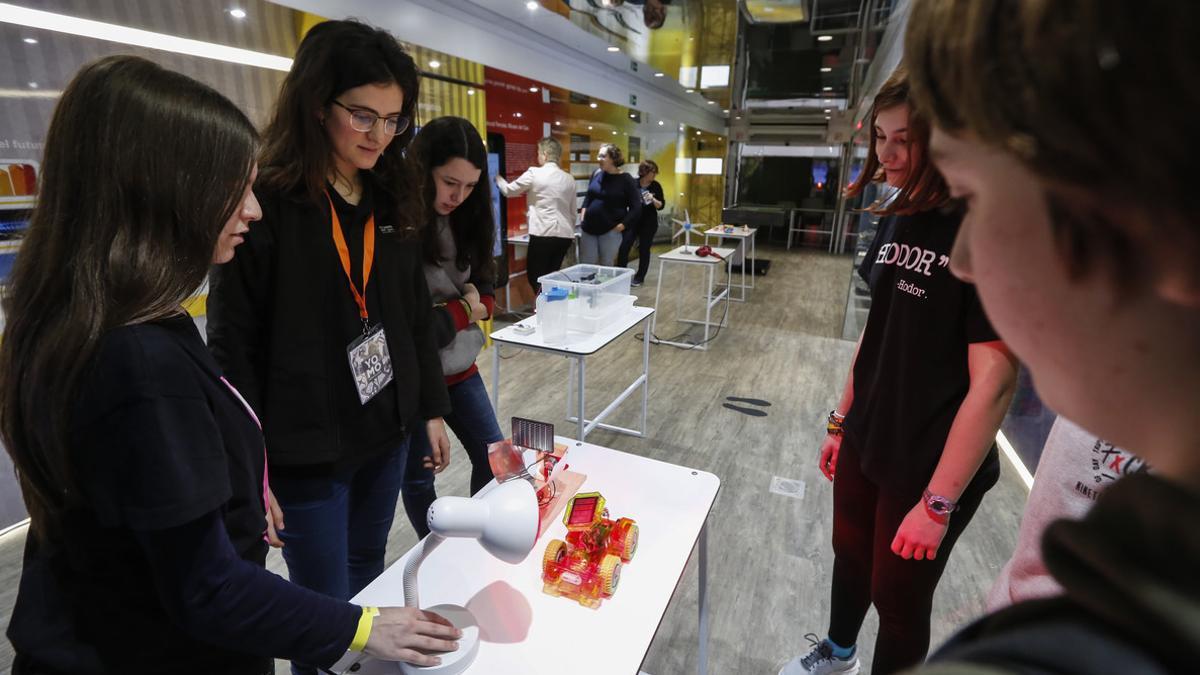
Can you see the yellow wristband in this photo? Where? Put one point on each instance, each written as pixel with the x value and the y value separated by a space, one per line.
pixel 364 628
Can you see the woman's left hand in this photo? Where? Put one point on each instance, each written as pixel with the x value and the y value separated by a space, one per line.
pixel 440 444
pixel 919 535
pixel 274 520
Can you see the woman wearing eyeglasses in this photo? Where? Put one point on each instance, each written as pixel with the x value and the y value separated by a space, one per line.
pixel 322 320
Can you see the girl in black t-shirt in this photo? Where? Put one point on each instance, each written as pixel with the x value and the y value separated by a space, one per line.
pixel 910 445
pixel 143 469
pixel 643 233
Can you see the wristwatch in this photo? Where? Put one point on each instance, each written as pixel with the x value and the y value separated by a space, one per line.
pixel 939 508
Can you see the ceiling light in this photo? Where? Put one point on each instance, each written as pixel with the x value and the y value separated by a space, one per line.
pixel 632 116
pixel 697 133
pixel 824 38
pixel 827 111
pixel 660 123
pixel 111 32
pixel 726 111
pixel 517 115
pixel 593 105
pixel 826 69
pixel 557 123
pixel 435 64
pixel 237 13
pixel 614 49
pixel 658 74
pixel 470 92
pixel 826 88
pixel 531 5
pixel 533 89
pixel 614 133
pixel 33 85
pixel 712 102
pixel 589 127
pixel 31 41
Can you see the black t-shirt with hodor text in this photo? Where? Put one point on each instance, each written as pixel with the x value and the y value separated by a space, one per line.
pixel 911 374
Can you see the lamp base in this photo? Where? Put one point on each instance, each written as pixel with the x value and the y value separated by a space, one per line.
pixel 468 645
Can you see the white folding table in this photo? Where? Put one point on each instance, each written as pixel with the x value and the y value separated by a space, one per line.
pixel 523 630
pixel 523 240
pixel 577 347
pixel 744 236
pixel 686 256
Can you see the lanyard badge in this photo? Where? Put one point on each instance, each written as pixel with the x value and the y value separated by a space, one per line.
pixel 370 361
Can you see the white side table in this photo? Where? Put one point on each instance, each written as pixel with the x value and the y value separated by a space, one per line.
pixel 686 256
pixel 745 244
pixel 577 347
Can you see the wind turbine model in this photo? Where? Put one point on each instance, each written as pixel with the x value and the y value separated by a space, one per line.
pixel 685 230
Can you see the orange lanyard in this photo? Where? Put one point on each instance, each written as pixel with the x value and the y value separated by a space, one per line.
pixel 339 240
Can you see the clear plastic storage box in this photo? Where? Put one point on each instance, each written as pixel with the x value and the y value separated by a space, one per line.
pixel 596 295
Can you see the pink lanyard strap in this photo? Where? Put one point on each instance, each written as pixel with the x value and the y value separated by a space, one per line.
pixel 238 394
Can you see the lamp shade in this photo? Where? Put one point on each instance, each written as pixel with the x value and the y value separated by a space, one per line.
pixel 505 520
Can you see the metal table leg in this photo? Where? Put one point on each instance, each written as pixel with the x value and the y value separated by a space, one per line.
pixel 702 653
pixel 496 376
pixel 582 419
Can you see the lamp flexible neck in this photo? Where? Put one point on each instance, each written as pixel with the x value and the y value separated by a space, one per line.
pixel 428 544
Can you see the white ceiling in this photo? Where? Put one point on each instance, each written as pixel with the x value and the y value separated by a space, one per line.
pixel 537 44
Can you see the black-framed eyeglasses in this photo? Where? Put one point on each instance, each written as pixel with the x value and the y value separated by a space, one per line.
pixel 365 120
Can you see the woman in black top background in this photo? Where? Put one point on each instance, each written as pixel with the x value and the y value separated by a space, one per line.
pixel 613 203
pixel 142 469
pixel 294 319
pixel 910 446
pixel 653 201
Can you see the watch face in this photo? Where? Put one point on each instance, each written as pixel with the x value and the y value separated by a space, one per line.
pixel 939 506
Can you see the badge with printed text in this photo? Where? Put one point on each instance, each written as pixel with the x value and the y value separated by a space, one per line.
pixel 370 363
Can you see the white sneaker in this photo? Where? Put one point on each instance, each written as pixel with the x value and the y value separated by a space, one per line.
pixel 820 661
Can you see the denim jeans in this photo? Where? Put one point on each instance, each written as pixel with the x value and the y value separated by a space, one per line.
pixel 473 421
pixel 643 236
pixel 337 528
pixel 599 249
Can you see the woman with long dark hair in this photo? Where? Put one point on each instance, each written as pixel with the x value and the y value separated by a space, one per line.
pixel 460 272
pixel 142 469
pixel 910 447
pixel 323 319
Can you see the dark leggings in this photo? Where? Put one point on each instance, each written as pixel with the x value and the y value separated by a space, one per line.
pixel 545 255
pixel 644 236
pixel 866 572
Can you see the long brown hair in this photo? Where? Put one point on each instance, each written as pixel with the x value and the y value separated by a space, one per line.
pixel 923 188
pixel 141 170
pixel 336 56
pixel 473 224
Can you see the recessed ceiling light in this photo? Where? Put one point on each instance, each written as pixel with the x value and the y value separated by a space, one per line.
pixel 470 92
pixel 533 89
pixel 691 91
pixel 726 111
pixel 589 127
pixel 826 69
pixel 697 133
pixel 614 49
pixel 237 13
pixel 658 74
pixel 826 88
pixel 824 38
pixel 517 115
pixel 827 111
pixel 660 123
pixel 33 85
pixel 828 117
pixel 614 133
pixel 712 102
pixel 557 123
pixel 593 105
pixel 531 5
pixel 435 64
pixel 31 41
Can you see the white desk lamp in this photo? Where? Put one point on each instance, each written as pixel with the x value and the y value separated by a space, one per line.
pixel 505 520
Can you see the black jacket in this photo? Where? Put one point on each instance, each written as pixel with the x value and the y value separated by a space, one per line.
pixel 1130 572
pixel 612 199
pixel 277 325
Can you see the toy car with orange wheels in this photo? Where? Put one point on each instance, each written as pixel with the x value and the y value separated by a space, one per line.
pixel 587 566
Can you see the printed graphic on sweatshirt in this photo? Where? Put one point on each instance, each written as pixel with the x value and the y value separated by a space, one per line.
pixel 913 259
pixel 1108 463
